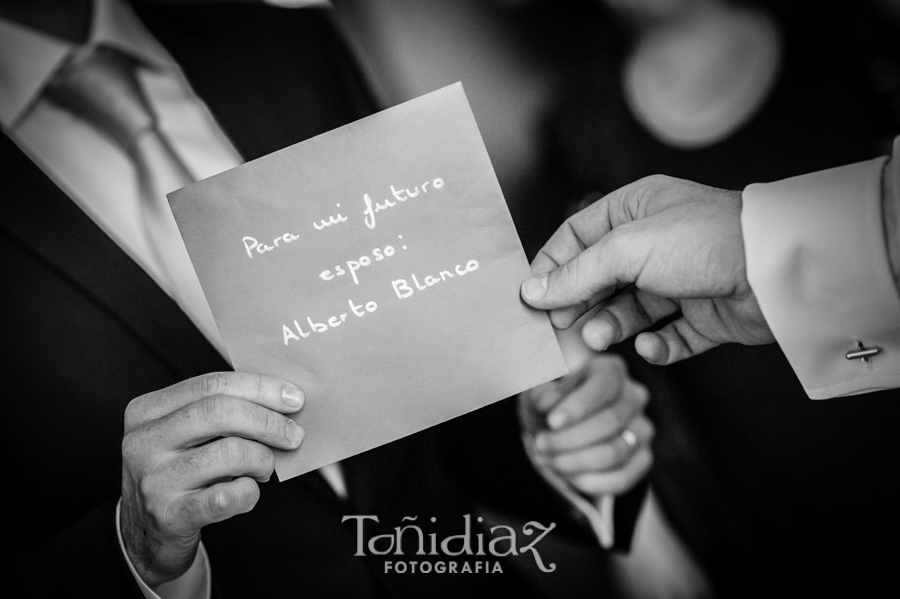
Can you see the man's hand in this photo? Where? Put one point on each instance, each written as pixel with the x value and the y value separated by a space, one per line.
pixel 650 250
pixel 589 428
pixel 192 455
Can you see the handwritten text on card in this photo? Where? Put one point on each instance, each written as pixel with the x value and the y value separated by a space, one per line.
pixel 403 287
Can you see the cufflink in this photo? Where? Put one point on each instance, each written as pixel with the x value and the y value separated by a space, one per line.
pixel 862 353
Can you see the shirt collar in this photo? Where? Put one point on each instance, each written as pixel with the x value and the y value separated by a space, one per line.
pixel 116 25
pixel 29 58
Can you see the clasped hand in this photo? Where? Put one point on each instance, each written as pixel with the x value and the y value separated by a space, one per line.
pixel 589 427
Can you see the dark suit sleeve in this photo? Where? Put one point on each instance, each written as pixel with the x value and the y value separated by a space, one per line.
pixel 490 462
pixel 84 560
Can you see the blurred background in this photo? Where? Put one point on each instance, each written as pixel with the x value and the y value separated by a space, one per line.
pixel 578 96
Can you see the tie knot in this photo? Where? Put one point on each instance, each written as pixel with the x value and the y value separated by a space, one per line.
pixel 103 90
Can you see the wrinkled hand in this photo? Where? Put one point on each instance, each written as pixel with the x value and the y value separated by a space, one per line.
pixel 589 428
pixel 192 455
pixel 649 250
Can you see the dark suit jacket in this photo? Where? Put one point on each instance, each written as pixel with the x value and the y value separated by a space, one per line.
pixel 86 330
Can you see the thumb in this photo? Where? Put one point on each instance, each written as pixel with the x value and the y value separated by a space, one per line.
pixel 674 342
pixel 579 284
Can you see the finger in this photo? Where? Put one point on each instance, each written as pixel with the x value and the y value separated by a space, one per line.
pixel 619 481
pixel 607 456
pixel 225 416
pixel 543 397
pixel 578 232
pixel 588 277
pixel 529 419
pixel 216 503
pixel 597 427
pixel 625 315
pixel 589 225
pixel 267 391
pixel 674 342
pixel 225 458
pixel 603 383
pixel 586 256
pixel 563 318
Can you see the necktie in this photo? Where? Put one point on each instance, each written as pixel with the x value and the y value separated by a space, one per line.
pixel 103 90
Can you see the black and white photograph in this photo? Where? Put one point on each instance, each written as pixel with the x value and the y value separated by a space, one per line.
pixel 450 298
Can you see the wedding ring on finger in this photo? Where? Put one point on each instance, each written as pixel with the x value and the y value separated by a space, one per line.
pixel 630 438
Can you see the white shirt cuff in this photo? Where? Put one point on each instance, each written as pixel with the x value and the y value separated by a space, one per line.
pixel 196 583
pixel 818 265
pixel 599 513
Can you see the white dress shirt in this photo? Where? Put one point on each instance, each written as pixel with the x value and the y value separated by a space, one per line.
pixel 85 163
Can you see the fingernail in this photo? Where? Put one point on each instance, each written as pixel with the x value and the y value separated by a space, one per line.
pixel 293 396
pixel 648 347
pixel 557 420
pixel 597 334
pixel 535 288
pixel 293 432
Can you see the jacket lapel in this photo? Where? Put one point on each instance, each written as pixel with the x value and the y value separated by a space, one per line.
pixel 315 89
pixel 39 217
